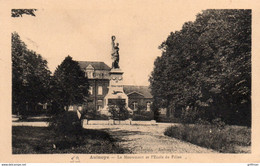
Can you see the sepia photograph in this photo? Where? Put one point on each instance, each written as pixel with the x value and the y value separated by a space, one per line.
pixel 131 80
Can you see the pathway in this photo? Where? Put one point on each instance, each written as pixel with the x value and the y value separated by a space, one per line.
pixel 141 139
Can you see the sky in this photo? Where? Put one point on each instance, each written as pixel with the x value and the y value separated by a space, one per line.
pixel 83 30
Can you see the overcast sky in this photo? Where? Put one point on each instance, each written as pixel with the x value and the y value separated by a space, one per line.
pixel 83 30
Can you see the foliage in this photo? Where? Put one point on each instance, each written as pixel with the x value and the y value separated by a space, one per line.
pixel 224 140
pixel 140 113
pixel 65 124
pixel 20 12
pixel 202 122
pixel 118 110
pixel 93 114
pixel 70 86
pixel 143 115
pixel 30 77
pixel 189 115
pixel 40 140
pixel 207 65
pixel 155 109
pixel 218 123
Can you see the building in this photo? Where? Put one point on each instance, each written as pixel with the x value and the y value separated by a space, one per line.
pixel 99 78
pixel 98 75
pixel 138 96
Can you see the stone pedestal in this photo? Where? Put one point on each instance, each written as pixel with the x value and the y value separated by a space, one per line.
pixel 115 89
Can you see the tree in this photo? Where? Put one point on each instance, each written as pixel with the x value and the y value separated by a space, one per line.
pixel 20 12
pixel 30 77
pixel 206 66
pixel 70 84
pixel 118 110
pixel 69 87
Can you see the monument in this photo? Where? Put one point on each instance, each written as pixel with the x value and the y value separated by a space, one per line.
pixel 115 89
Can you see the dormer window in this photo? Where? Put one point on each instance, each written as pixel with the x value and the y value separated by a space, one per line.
pixel 90 71
pixel 90 74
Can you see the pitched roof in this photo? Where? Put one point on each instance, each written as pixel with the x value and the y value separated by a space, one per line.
pixel 144 90
pixel 96 65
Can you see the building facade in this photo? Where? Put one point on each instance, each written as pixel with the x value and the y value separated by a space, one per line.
pixel 139 97
pixel 98 77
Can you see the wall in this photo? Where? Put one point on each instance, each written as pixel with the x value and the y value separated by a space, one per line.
pixel 135 97
pixel 95 97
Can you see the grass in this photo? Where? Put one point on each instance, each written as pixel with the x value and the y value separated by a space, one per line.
pixel 42 140
pixel 225 140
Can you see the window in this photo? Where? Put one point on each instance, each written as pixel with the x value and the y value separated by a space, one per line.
pixel 100 103
pixel 90 74
pixel 71 108
pixel 44 106
pixel 90 90
pixel 148 106
pixel 80 108
pixel 135 105
pixel 100 90
pixel 99 107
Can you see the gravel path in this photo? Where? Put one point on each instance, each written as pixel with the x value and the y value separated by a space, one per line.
pixel 140 139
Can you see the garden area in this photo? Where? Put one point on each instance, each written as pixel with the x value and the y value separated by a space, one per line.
pixel 42 140
pixel 64 134
pixel 225 139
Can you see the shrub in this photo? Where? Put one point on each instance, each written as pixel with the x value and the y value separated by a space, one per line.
pixel 95 115
pixel 202 122
pixel 189 114
pixel 143 115
pixel 118 110
pixel 210 136
pixel 168 119
pixel 242 136
pixel 120 113
pixel 66 126
pixel 65 123
pixel 218 123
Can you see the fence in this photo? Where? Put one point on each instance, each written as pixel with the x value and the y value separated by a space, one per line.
pixel 117 122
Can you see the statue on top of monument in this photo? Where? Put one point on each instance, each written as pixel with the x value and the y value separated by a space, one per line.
pixel 115 53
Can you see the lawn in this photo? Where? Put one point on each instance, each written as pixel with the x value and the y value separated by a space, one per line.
pixel 42 140
pixel 230 139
